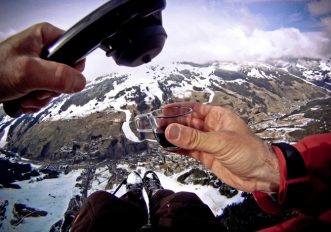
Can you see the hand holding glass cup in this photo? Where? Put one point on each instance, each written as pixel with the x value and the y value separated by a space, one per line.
pixel 157 121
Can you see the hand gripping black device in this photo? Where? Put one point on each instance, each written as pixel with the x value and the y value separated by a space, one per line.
pixel 130 31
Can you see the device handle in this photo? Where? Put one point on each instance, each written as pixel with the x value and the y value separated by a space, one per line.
pixel 89 33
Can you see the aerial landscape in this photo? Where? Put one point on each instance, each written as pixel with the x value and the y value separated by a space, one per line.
pixel 52 160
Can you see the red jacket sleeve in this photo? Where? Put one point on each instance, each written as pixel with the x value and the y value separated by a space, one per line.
pixel 311 193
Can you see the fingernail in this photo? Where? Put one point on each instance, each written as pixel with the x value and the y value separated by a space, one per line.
pixel 174 131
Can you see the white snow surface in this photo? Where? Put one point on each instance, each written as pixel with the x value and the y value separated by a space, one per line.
pixel 255 73
pixel 300 66
pixel 3 139
pixel 51 195
pixel 259 74
pixel 230 66
pixel 311 75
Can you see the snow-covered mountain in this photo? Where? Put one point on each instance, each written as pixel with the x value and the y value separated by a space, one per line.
pixel 91 132
pixel 312 70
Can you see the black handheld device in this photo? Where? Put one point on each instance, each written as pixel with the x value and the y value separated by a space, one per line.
pixel 130 31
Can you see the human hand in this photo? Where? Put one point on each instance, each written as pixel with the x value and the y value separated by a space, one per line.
pixel 24 74
pixel 224 143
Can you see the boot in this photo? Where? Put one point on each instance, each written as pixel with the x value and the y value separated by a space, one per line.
pixel 151 183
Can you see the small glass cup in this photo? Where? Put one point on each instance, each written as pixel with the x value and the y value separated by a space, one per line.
pixel 158 120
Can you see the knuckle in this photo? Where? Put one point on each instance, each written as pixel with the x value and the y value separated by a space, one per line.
pixel 41 26
pixel 36 29
pixel 194 139
pixel 44 24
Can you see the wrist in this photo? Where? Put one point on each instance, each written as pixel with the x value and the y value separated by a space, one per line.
pixel 270 176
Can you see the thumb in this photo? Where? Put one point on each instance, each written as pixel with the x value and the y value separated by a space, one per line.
pixel 192 139
pixel 55 77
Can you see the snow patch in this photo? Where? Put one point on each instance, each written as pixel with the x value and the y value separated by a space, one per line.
pixel 313 75
pixel 230 66
pixel 255 73
pixel 51 195
pixel 300 66
pixel 3 140
pixel 211 96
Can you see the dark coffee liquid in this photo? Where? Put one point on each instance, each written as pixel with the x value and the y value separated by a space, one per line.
pixel 160 137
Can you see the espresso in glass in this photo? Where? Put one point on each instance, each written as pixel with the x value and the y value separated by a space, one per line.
pixel 158 120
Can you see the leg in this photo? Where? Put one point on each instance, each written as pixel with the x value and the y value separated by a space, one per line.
pixel 136 199
pixel 103 211
pixel 181 211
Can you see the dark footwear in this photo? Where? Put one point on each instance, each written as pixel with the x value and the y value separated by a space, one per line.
pixel 134 182
pixel 151 183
